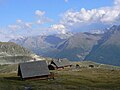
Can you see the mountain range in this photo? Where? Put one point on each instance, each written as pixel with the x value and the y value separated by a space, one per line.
pixel 71 46
pixel 98 47
pixel 42 45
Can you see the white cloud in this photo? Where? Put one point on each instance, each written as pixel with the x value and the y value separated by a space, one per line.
pixel 88 19
pixel 66 0
pixel 117 2
pixel 22 28
pixel 5 36
pixel 14 27
pixel 39 13
pixel 28 25
pixel 19 21
pixel 40 22
pixel 44 20
pixel 84 17
pixel 102 15
pixel 59 27
pixel 71 20
pixel 20 25
pixel 41 19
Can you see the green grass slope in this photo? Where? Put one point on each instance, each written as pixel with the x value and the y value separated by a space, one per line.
pixel 67 79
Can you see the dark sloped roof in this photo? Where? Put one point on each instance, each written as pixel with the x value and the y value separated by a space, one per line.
pixel 34 69
pixel 61 63
pixel 53 65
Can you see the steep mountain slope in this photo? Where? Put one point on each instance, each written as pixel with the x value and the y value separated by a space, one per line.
pixel 13 53
pixel 78 46
pixel 73 47
pixel 41 45
pixel 101 48
pixel 108 48
pixel 10 48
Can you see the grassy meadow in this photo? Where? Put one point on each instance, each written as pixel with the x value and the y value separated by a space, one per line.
pixel 83 78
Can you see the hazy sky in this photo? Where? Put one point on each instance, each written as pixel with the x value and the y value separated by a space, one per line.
pixel 33 17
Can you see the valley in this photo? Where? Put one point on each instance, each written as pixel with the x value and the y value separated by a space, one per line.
pixel 101 47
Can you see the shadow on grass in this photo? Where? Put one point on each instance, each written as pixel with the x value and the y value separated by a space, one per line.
pixel 13 78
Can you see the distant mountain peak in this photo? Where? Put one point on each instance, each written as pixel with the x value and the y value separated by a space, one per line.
pixel 108 48
pixel 96 45
pixel 96 32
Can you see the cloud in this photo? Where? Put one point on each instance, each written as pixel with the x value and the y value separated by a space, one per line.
pixel 19 21
pixel 24 25
pixel 6 36
pixel 44 20
pixel 73 19
pixel 39 13
pixel 14 27
pixel 117 2
pixel 85 19
pixel 41 18
pixel 66 0
pixel 59 27
pixel 102 15
pixel 3 37
pixel 23 28
pixel 28 25
pixel 20 25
